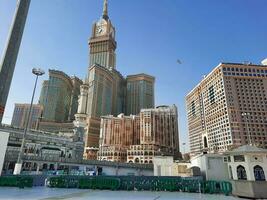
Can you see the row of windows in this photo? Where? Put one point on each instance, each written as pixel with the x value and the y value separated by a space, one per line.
pixel 244 70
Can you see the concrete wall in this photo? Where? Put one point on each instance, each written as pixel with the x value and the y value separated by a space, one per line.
pixel 217 169
pixel 3 146
pixel 250 189
pixel 114 171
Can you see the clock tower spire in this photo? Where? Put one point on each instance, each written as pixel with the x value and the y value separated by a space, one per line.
pixel 102 42
pixel 105 10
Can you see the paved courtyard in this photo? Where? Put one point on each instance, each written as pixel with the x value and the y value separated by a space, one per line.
pixel 42 193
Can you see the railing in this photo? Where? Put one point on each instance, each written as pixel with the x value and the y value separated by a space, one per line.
pixel 87 162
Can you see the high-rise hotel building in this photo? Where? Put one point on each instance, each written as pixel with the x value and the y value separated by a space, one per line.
pixel 138 138
pixel 59 98
pixel 104 90
pixel 21 114
pixel 228 108
pixel 139 93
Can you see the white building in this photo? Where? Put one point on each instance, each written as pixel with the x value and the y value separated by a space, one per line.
pixel 247 166
pixel 212 166
pixel 3 146
pixel 163 165
pixel 247 163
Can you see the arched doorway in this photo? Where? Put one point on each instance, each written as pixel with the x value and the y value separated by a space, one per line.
pixel 136 160
pixel 205 142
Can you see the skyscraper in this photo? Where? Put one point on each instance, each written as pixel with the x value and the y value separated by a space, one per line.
pixel 20 115
pixel 139 93
pixel 228 108
pixel 59 96
pixel 159 135
pixel 11 52
pixel 138 138
pixel 104 90
pixel 105 83
pixel 102 43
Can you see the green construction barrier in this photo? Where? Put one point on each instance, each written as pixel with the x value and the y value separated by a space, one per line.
pixel 16 181
pixel 99 183
pixel 141 183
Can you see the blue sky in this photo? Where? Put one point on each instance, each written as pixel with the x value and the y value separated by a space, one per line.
pixel 151 36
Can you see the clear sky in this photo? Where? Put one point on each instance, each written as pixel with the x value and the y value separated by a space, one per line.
pixel 151 36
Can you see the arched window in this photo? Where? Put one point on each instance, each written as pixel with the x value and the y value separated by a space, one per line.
pixel 136 160
pixel 205 142
pixel 259 173
pixel 241 173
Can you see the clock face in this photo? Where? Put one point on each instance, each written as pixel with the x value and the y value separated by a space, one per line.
pixel 100 30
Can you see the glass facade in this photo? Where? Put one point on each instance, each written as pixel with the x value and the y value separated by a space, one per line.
pixel 100 92
pixel 140 93
pixel 59 98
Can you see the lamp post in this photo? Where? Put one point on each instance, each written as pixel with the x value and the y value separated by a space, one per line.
pixel 246 114
pixel 183 148
pixel 38 72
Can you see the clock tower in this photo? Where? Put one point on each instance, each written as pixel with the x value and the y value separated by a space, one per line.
pixel 102 43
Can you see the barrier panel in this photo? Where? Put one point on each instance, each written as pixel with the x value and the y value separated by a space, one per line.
pixel 101 183
pixel 150 183
pixel 16 181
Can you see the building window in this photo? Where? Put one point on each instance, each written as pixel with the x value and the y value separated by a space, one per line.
pixel 241 173
pixel 259 173
pixel 193 107
pixel 211 95
pixel 239 158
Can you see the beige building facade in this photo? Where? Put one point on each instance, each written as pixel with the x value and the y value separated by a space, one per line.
pixel 228 108
pixel 159 135
pixel 116 135
pixel 137 139
pixel 21 115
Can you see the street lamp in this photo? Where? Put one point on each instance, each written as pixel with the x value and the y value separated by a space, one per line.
pixel 245 114
pixel 183 148
pixel 38 72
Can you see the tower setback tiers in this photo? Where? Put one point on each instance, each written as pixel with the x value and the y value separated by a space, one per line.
pixel 104 90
